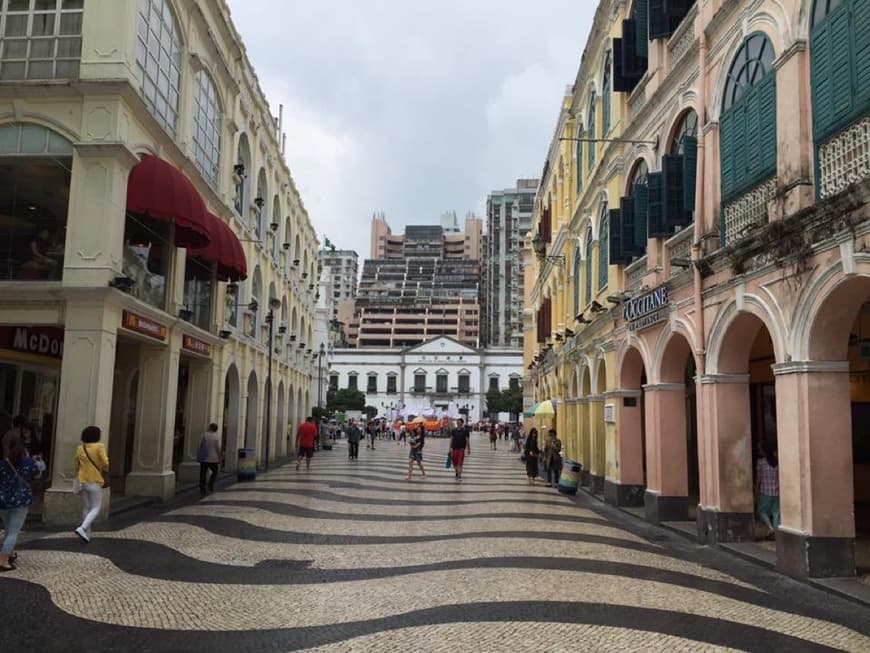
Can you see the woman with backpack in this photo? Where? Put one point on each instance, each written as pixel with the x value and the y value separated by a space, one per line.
pixel 17 470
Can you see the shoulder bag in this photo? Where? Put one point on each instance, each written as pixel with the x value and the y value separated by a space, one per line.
pixel 104 474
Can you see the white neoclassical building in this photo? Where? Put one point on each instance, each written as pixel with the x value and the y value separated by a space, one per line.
pixel 442 374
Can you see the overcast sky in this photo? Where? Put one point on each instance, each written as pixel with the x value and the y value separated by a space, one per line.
pixel 411 107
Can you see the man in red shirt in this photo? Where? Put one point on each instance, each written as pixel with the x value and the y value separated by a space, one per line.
pixel 305 436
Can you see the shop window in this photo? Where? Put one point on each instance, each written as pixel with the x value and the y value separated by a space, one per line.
pixel 464 384
pixel 419 383
pixel 41 39
pixel 148 250
pixel 372 385
pixel 441 384
pixel 241 179
pixel 35 169
pixel 352 382
pixel 588 295
pixel 158 61
pixel 198 284
pixel 206 128
pixel 493 383
pixel 333 382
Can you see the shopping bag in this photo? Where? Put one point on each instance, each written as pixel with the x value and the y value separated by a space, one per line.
pixel 449 461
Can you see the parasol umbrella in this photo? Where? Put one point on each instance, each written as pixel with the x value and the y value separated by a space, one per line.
pixel 530 411
pixel 546 408
pixel 418 420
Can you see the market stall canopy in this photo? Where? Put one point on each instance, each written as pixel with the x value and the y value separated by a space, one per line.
pixel 530 411
pixel 225 250
pixel 546 408
pixel 160 191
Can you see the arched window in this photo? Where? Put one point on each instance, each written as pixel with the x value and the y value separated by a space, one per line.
pixel 605 97
pixel 579 158
pixel 747 127
pixel 41 40
pixel 592 134
pixel 687 128
pixel 206 128
pixel 260 201
pixel 603 246
pixel 588 265
pixel 158 61
pixel 578 262
pixel 840 78
pixel 242 179
pixel 256 296
pixel 684 144
pixel 627 228
pixel 276 235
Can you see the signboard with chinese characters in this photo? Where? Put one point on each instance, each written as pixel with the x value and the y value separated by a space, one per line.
pixel 647 309
pixel 195 345
pixel 143 325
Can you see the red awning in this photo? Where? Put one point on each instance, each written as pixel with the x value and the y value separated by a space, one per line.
pixel 225 250
pixel 158 190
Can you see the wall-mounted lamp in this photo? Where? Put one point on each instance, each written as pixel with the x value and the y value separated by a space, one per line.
pixel 124 284
pixel 582 319
pixel 295 262
pixel 617 299
pixel 232 288
pixel 595 307
pixel 282 329
pixel 285 246
pixel 304 275
pixel 540 248
pixel 185 314
pixel 292 338
pixel 239 169
pixel 225 334
pixel 274 226
pixel 259 201
pixel 569 333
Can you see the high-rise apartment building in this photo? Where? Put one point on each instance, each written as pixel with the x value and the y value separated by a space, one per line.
pixel 342 267
pixel 508 219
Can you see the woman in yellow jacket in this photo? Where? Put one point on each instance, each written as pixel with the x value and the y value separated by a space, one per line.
pixel 92 469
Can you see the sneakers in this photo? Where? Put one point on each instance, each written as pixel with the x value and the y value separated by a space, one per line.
pixel 83 534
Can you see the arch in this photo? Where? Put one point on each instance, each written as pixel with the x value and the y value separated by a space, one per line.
pixel 732 334
pixel 829 334
pixel 632 368
pixel 33 138
pixel 158 61
pixel 750 64
pixel 665 347
pixel 207 127
pixel 276 233
pixel 600 375
pixel 241 178
pixel 287 241
pixel 759 25
pixel 231 412
pixel 588 254
pixel 251 408
pixel 578 261
pixel 686 125
pixel 605 95
pixel 591 130
pixel 262 206
pixel 280 420
pixel 637 176
pixel 257 297
pixel 603 247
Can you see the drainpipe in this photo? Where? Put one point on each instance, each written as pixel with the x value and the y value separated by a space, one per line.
pixel 700 218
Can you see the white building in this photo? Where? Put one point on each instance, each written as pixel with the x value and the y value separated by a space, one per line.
pixel 441 373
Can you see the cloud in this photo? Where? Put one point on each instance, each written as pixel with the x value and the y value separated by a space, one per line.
pixel 412 108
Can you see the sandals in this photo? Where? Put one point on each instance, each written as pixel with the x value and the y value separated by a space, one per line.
pixel 7 568
pixel 12 558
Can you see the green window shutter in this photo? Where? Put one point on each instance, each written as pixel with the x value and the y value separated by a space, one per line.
pixel 672 196
pixel 603 251
pixel 640 193
pixel 577 261
pixel 641 16
pixel 841 70
pixel 690 174
pixel 629 249
pixel 658 22
pixel 860 21
pixel 766 92
pixel 726 165
pixel 579 163
pixel 751 101
pixel 588 297
pixel 820 72
pixel 655 215
pixel 733 150
pixel 605 109
pixel 621 83
pixel 617 255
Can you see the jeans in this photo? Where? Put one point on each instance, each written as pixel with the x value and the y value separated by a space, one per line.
pixel 13 521
pixel 768 509
pixel 92 501
pixel 203 467
pixel 554 468
pixel 354 449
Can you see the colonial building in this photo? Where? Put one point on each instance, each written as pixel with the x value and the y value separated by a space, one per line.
pixel 441 373
pixel 157 261
pixel 698 273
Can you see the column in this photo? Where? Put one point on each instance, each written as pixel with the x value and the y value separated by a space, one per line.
pixel 152 474
pixel 626 486
pixel 199 416
pixel 585 442
pixel 725 511
pixel 814 432
pixel 667 493
pixel 596 439
pixel 85 399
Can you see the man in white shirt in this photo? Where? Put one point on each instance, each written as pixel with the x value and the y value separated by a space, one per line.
pixel 209 457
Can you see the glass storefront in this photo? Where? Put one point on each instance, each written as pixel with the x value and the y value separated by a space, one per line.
pixel 31 392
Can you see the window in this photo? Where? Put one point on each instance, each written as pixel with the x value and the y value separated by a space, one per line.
pixel 684 145
pixel 197 291
pixel 333 382
pixel 603 246
pixel 605 97
pixel 40 39
pixel 391 385
pixel 578 262
pixel 241 179
pixel 419 383
pixel 579 159
pixel 588 296
pixel 260 201
pixel 627 226
pixel 351 382
pixel 514 383
pixel 493 383
pixel 441 384
pixel 372 384
pixel 158 61
pixel 464 384
pixel 33 219
pixel 206 128
pixel 256 297
pixel 747 127
pixel 276 236
pixel 592 133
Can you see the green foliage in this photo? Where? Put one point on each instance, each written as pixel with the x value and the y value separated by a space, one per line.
pixel 504 401
pixel 344 400
pixel 317 412
pixel 371 412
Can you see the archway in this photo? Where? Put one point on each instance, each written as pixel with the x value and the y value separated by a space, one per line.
pixel 251 411
pixel 268 415
pixel 230 426
pixel 280 420
pixel 584 432
pixel 631 455
pixel 597 430
pixel 572 441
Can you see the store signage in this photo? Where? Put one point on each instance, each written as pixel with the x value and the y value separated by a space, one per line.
pixel 195 345
pixel 645 310
pixel 143 325
pixel 42 341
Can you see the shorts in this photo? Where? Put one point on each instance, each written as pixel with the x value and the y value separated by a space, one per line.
pixel 458 456
pixel 416 456
pixel 307 452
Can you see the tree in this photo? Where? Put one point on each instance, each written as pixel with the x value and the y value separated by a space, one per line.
pixel 371 412
pixel 344 400
pixel 512 400
pixel 494 402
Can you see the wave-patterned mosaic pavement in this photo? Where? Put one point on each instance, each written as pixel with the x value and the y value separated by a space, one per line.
pixel 350 556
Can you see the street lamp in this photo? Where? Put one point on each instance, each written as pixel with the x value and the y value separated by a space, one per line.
pixel 274 304
pixel 320 354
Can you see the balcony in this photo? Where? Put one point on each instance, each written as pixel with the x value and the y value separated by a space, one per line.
pixel 680 246
pixel 845 159
pixel 635 273
pixel 747 212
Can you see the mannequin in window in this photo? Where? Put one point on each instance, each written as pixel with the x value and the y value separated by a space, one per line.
pixel 40 265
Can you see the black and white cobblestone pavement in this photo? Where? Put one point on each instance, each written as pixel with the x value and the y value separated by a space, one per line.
pixel 350 556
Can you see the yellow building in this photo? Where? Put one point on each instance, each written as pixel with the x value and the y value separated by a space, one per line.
pixel 152 241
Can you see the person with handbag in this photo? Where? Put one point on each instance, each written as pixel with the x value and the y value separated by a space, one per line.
pixel 552 458
pixel 209 458
pixel 17 470
pixel 532 455
pixel 92 475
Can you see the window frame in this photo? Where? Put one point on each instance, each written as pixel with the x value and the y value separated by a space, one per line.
pixel 167 63
pixel 207 123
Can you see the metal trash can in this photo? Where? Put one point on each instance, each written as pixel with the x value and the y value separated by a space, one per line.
pixel 569 479
pixel 247 469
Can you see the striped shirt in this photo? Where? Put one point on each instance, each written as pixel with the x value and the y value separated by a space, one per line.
pixel 768 478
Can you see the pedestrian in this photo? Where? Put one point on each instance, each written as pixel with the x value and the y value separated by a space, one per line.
pixel 415 453
pixel 17 470
pixel 552 457
pixel 532 453
pixel 515 436
pixel 493 434
pixel 353 437
pixel 92 472
pixel 767 488
pixel 209 457
pixel 460 443
pixel 306 435
pixel 373 433
pixel 403 435
pixel 13 435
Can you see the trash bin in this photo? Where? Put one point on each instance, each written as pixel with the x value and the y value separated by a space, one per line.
pixel 570 477
pixel 247 470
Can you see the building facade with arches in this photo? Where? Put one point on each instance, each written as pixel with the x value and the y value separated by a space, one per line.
pixel 698 287
pixel 152 239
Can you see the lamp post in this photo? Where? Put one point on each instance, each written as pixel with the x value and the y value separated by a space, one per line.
pixel 274 304
pixel 320 354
